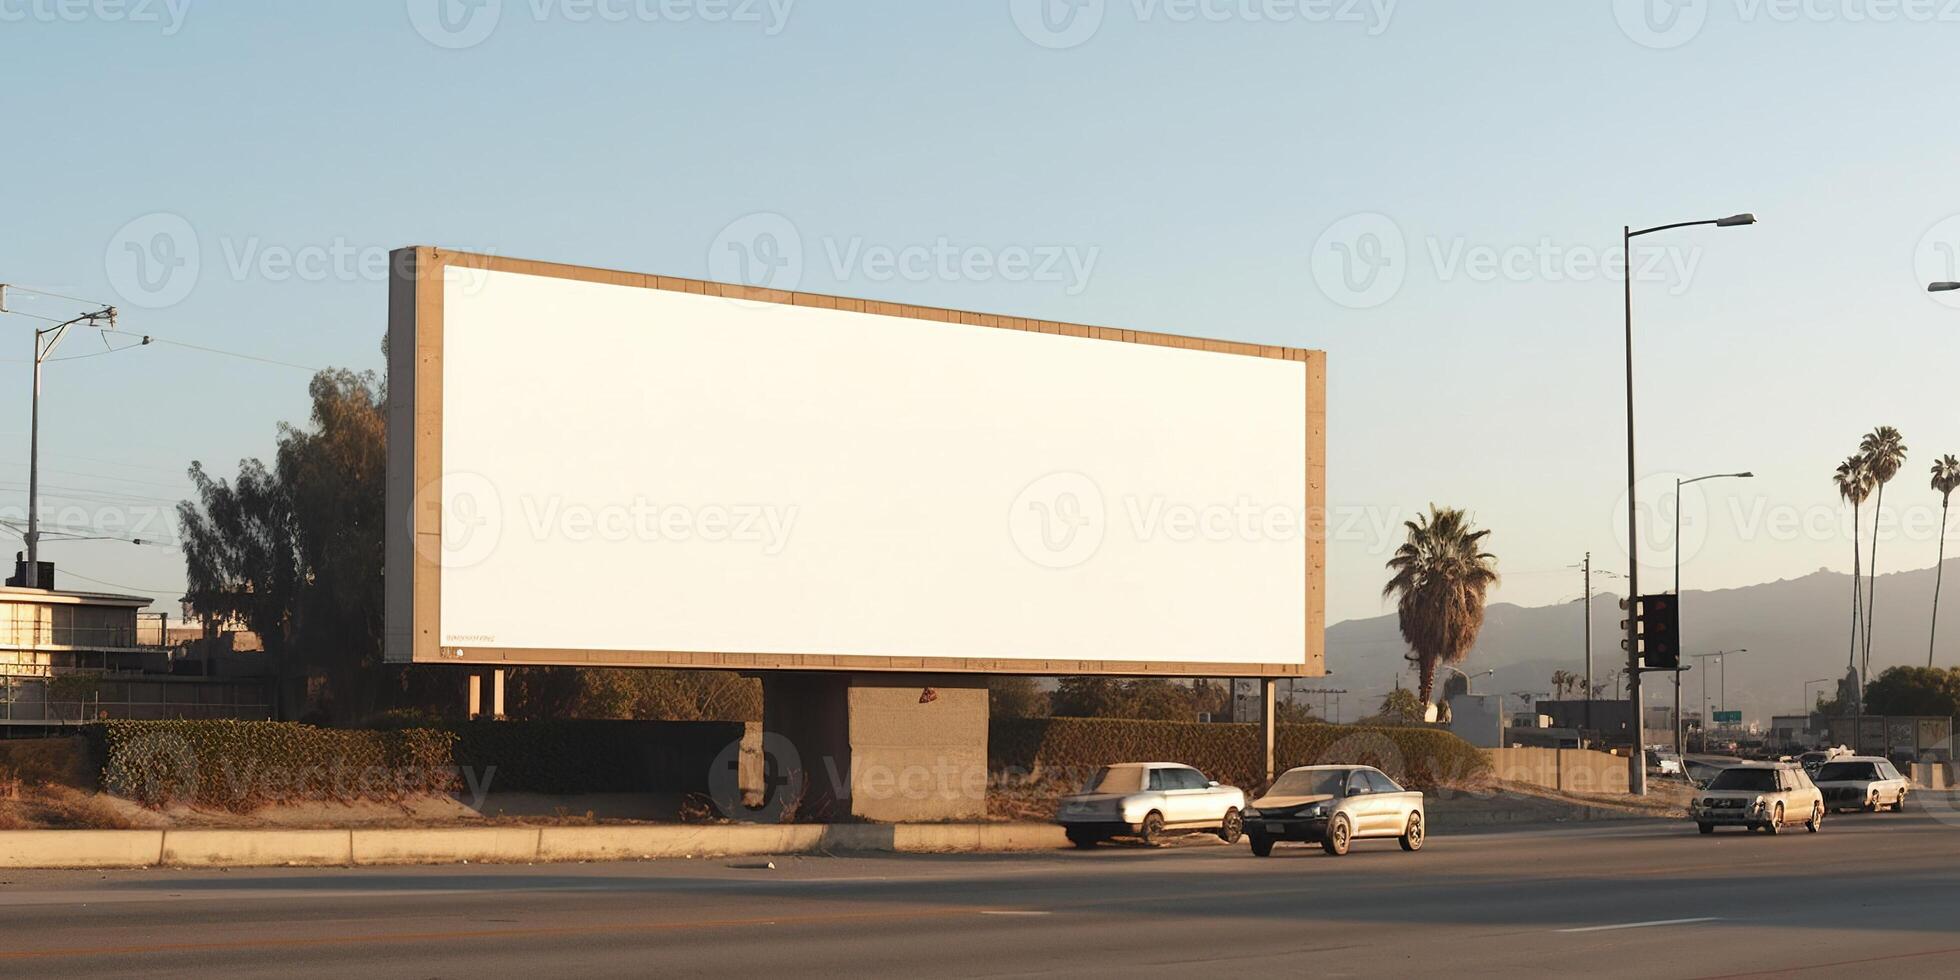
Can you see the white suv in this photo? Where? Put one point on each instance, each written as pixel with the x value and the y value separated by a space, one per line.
pixel 1145 799
pixel 1759 796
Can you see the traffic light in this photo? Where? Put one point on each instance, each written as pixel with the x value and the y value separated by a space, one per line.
pixel 1659 630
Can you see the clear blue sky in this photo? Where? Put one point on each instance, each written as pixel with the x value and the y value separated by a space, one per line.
pixel 1200 163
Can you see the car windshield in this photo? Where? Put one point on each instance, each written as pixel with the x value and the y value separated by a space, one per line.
pixel 1844 772
pixel 1310 782
pixel 1747 780
pixel 1117 779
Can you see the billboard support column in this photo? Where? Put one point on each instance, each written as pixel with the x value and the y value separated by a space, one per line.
pixel 1268 726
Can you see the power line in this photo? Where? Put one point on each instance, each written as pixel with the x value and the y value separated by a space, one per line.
pixel 43 292
pixel 153 339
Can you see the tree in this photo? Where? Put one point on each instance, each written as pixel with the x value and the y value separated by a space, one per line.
pixel 1914 691
pixel 1884 450
pixel 1565 680
pixel 1402 706
pixel 1015 697
pixel 1946 477
pixel 1854 484
pixel 1440 576
pixel 294 553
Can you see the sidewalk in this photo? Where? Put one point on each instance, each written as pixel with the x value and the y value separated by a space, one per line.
pixel 509 844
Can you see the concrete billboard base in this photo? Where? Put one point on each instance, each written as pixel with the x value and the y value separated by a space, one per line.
pixel 890 748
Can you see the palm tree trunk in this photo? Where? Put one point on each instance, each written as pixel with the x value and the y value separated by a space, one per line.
pixel 1871 578
pixel 1428 667
pixel 1857 587
pixel 1939 570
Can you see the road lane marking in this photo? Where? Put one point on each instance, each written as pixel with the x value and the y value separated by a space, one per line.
pixel 1643 925
pixel 1014 912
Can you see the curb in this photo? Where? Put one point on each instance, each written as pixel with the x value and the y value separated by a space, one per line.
pixel 492 845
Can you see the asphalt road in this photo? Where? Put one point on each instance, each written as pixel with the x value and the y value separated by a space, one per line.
pixel 1877 893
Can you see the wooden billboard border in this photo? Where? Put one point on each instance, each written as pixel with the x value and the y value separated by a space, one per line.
pixel 413 547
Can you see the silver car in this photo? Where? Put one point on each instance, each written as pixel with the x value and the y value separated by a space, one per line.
pixel 1334 806
pixel 1765 796
pixel 1145 799
pixel 1861 782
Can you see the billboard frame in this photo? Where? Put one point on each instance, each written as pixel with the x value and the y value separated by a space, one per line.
pixel 415 425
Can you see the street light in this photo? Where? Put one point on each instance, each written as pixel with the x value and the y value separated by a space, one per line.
pixel 1636 760
pixel 1678 484
pixel 1810 706
pixel 1943 287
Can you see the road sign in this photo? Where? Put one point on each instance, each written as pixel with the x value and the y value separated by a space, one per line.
pixel 1728 717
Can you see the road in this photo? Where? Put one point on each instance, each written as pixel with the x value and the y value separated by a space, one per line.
pixel 1639 899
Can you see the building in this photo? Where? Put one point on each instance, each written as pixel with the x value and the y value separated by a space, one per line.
pixel 68 657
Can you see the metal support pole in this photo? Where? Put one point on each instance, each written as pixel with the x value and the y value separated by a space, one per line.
pixel 1636 760
pixel 1268 727
pixel 1588 693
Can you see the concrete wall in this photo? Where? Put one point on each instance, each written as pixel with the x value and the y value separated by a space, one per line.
pixel 913 759
pixel 1567 770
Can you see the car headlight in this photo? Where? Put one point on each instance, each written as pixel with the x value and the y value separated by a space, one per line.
pixel 1317 810
pixel 1759 804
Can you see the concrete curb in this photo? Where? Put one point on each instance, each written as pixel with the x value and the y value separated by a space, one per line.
pixel 454 845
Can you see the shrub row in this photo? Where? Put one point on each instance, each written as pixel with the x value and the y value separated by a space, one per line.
pixel 578 756
pixel 241 765
pixel 1230 753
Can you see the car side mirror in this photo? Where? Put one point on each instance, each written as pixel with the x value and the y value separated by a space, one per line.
pixel 1355 791
pixel 1213 784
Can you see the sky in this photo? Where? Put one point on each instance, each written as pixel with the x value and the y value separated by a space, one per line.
pixel 1431 191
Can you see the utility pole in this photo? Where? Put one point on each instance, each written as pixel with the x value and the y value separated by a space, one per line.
pixel 1589 680
pixel 46 340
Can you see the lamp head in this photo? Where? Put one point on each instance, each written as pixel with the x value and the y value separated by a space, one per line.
pixel 1944 287
pixel 1736 220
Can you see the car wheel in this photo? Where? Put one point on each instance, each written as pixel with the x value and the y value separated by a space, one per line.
pixel 1262 846
pixel 1900 806
pixel 1816 821
pixel 1871 804
pixel 1153 828
pixel 1083 840
pixel 1232 828
pixel 1706 828
pixel 1775 824
pixel 1339 836
pixel 1411 839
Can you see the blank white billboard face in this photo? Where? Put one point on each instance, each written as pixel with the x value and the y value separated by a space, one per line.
pixel 636 469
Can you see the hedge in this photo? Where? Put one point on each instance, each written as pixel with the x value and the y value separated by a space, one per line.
pixel 1422 758
pixel 579 756
pixel 241 765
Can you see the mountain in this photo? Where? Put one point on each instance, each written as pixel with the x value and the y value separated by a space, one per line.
pixel 1795 630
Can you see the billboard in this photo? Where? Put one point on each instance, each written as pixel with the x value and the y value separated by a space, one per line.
pixel 600 468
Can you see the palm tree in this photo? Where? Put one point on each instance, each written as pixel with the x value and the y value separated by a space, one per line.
pixel 1946 478
pixel 1854 484
pixel 1562 681
pixel 1884 450
pixel 1440 576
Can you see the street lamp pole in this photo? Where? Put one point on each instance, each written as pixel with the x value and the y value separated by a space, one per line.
pixel 46 340
pixel 1678 484
pixel 1637 759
